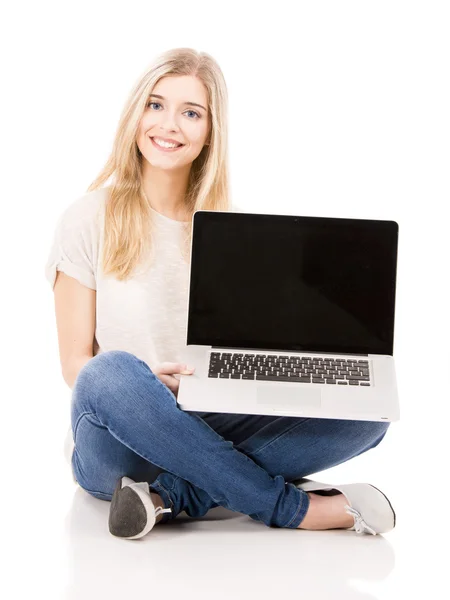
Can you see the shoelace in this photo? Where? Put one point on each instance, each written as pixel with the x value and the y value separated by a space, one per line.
pixel 159 510
pixel 144 486
pixel 360 525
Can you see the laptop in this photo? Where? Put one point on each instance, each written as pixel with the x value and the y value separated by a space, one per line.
pixel 291 316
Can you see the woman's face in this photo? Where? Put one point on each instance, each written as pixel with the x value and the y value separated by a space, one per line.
pixel 173 118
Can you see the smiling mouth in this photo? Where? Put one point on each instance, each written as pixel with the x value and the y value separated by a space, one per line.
pixel 164 147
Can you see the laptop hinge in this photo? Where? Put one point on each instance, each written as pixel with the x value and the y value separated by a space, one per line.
pixel 294 351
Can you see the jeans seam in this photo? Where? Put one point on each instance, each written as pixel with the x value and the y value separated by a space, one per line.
pixel 77 422
pixel 86 489
pixel 255 452
pixel 159 485
pixel 173 484
pixel 109 496
pixel 298 510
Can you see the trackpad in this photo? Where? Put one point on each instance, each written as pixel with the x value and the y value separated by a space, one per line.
pixel 280 395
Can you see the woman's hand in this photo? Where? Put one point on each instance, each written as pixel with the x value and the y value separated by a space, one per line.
pixel 165 372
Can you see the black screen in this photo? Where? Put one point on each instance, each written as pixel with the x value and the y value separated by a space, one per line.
pixel 288 283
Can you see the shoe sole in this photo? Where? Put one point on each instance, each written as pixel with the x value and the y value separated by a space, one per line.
pixel 132 512
pixel 392 508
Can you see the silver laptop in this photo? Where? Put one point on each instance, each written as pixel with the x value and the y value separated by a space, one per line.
pixel 291 316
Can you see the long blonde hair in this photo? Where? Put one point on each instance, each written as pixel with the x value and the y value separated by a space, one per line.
pixel 128 218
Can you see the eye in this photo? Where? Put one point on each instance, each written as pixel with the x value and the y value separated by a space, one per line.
pixel 197 116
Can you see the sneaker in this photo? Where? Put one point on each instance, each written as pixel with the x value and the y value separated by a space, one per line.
pixel 370 508
pixel 132 513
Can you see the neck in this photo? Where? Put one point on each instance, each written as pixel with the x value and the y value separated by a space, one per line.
pixel 165 191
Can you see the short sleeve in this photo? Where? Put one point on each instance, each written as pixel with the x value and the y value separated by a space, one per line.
pixel 72 248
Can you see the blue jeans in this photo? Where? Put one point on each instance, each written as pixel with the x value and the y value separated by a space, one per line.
pixel 125 421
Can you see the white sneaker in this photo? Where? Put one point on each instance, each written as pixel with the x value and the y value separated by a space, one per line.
pixel 132 513
pixel 371 509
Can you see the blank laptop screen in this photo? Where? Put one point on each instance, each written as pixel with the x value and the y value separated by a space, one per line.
pixel 288 283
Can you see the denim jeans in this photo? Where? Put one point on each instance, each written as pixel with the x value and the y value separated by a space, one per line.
pixel 125 421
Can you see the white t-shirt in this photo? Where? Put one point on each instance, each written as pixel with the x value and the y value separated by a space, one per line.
pixel 145 315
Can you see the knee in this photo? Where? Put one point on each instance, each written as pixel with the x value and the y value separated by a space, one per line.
pixel 105 381
pixel 95 494
pixel 379 430
pixel 98 482
pixel 110 363
pixel 109 371
pixel 370 433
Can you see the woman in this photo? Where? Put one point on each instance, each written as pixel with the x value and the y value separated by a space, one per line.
pixel 119 268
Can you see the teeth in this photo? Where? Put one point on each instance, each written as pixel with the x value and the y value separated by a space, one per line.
pixel 165 144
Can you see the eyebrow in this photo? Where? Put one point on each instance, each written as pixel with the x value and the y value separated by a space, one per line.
pixel 188 103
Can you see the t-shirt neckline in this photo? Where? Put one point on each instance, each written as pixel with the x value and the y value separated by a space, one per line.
pixel 167 218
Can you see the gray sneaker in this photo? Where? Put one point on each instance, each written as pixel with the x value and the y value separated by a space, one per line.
pixel 370 508
pixel 132 513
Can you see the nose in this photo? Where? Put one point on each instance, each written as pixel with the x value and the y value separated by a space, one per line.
pixel 169 122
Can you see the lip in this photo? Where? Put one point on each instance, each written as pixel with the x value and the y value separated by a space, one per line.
pixel 166 149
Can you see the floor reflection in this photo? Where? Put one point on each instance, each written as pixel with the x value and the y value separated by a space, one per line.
pixel 226 554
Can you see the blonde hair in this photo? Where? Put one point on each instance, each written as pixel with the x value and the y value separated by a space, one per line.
pixel 128 218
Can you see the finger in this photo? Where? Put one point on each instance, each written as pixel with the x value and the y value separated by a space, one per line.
pixel 171 382
pixel 169 368
pixel 178 368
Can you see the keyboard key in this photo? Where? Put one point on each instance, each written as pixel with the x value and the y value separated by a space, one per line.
pixel 283 378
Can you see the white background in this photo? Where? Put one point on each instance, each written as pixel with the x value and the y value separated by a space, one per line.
pixel 337 109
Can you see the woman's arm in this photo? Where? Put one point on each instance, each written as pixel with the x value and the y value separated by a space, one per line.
pixel 75 321
pixel 73 368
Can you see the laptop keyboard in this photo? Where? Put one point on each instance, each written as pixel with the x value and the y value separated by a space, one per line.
pixel 298 369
